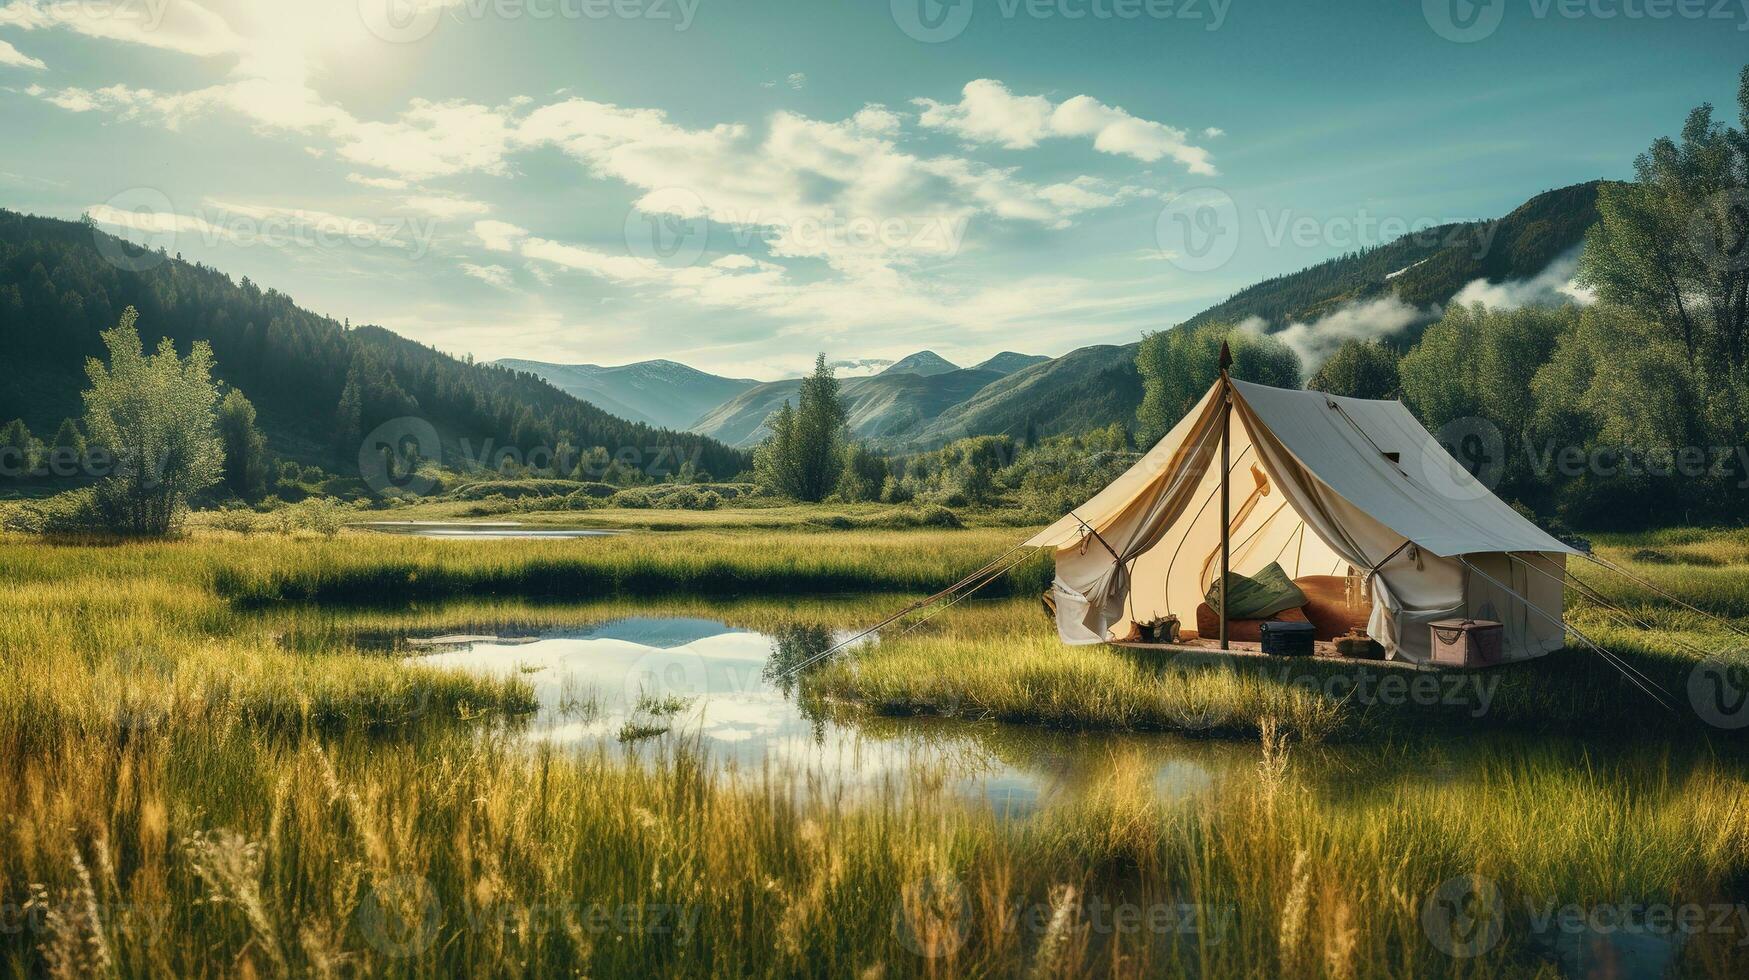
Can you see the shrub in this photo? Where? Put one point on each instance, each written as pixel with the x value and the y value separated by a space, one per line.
pixel 238 519
pixel 514 489
pixel 73 512
pixel 321 515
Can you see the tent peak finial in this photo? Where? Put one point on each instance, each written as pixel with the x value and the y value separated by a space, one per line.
pixel 1226 357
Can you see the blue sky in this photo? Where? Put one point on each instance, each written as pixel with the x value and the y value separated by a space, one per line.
pixel 736 185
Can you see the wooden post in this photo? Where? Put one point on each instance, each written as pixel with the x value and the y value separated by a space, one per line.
pixel 1226 499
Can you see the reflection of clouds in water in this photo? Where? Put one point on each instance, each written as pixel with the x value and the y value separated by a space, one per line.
pixel 1181 778
pixel 739 700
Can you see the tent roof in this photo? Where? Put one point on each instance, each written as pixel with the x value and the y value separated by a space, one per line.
pixel 1424 495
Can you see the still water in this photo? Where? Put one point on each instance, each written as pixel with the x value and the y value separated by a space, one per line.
pixel 729 688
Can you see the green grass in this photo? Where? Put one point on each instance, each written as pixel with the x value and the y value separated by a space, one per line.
pixel 388 570
pixel 202 777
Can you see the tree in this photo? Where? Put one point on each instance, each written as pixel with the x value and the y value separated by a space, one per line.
pixel 1179 365
pixel 775 461
pixel 154 413
pixel 803 457
pixel 1476 363
pixel 245 447
pixel 1358 369
pixel 865 473
pixel 69 440
pixel 1675 242
pixel 18 450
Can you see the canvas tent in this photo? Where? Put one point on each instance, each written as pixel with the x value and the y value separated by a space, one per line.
pixel 1323 485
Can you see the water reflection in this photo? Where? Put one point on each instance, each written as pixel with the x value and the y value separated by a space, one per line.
pixel 637 680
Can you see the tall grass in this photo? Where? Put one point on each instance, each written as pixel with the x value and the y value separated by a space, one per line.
pixel 199 778
pixel 205 850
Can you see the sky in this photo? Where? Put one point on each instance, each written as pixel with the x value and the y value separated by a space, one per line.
pixel 738 184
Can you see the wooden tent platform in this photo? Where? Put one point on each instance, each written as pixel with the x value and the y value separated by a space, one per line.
pixel 1322 652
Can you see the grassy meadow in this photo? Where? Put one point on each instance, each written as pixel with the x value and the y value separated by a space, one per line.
pixel 217 762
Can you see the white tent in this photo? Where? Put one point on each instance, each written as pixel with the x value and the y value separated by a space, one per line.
pixel 1325 486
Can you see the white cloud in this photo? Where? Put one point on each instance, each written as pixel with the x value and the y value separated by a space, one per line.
pixel 989 113
pixel 382 183
pixel 431 139
pixel 797 80
pixel 154 222
pixel 877 119
pixel 11 57
pixel 840 191
pixel 1371 319
pixel 499 236
pixel 496 275
pixel 446 206
pixel 1554 286
pixel 187 28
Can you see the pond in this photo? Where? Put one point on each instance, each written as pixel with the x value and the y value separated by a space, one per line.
pixel 641 679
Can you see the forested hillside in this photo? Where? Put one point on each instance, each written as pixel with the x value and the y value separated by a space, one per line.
pixel 318 384
pixel 1426 267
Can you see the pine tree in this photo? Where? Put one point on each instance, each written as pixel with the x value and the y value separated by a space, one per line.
pixel 17 450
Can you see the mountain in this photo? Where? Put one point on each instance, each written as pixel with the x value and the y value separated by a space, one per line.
pixel 926 363
pixel 1096 386
pixel 888 409
pixel 660 393
pixel 317 383
pixel 1009 362
pixel 893 409
pixel 1084 389
pixel 740 421
pixel 1423 268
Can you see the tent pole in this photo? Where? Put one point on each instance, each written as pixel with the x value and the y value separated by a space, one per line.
pixel 1226 498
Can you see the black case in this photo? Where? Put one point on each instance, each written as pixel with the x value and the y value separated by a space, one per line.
pixel 1286 639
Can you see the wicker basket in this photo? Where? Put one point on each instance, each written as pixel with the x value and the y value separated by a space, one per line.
pixel 1466 642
